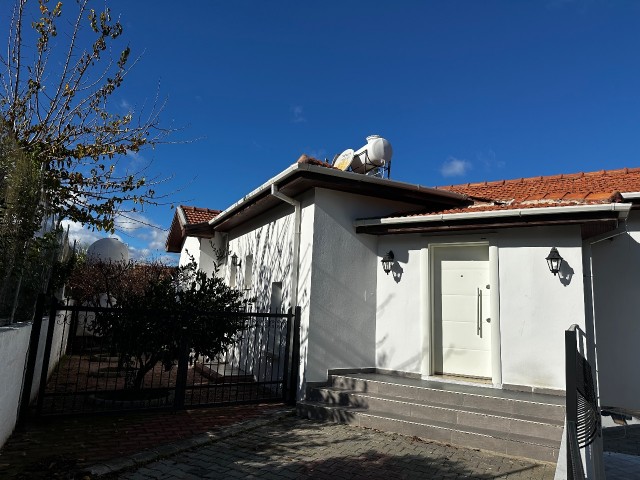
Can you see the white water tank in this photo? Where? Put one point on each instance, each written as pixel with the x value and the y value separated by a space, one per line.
pixel 108 250
pixel 376 153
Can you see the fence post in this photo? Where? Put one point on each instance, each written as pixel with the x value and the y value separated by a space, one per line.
pixel 571 398
pixel 32 357
pixel 53 311
pixel 295 359
pixel 287 357
pixel 181 376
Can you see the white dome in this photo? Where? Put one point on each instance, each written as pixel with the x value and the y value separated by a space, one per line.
pixel 108 250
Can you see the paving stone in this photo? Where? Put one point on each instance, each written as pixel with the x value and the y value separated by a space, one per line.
pixel 293 448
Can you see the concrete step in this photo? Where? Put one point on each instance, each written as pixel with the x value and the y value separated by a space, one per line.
pixel 540 406
pixel 455 415
pixel 512 423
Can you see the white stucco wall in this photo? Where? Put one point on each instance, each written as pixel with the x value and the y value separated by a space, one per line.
pixel 14 346
pixel 342 330
pixel 534 306
pixel 269 240
pixel 190 248
pixel 400 298
pixel 14 343
pixel 616 288
pixel 212 254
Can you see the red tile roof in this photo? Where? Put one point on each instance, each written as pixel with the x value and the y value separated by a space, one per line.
pixel 198 215
pixel 581 188
pixel 178 229
pixel 592 187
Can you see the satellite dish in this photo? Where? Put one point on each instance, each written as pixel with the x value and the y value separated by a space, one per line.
pixel 344 159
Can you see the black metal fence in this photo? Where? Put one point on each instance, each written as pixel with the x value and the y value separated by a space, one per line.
pixel 583 416
pixel 93 375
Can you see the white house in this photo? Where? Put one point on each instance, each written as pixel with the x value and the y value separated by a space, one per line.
pixel 469 295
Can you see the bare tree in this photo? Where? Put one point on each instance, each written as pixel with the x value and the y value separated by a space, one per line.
pixel 56 82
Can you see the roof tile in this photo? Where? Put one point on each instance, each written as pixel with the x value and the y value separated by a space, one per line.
pixel 198 215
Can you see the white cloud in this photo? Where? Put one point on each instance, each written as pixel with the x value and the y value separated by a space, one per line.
pixel 490 161
pixel 144 238
pixel 125 105
pixel 298 114
pixel 83 235
pixel 455 167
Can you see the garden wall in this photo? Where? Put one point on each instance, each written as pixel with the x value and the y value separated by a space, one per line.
pixel 14 343
pixel 14 346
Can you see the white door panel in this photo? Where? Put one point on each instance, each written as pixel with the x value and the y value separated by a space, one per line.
pixel 462 328
pixel 473 363
pixel 462 335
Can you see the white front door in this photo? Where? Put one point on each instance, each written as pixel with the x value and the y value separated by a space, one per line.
pixel 462 323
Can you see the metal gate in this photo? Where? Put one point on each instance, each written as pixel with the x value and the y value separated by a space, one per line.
pixel 90 376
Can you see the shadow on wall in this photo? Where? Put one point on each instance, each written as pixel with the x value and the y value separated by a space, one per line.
pixel 566 273
pixel 401 256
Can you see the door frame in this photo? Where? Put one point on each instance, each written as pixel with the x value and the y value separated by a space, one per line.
pixel 427 305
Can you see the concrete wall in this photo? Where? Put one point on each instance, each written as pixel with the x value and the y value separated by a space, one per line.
pixel 342 332
pixel 14 343
pixel 190 248
pixel 212 254
pixel 616 287
pixel 14 346
pixel 269 242
pixel 337 278
pixel 536 307
pixel 533 311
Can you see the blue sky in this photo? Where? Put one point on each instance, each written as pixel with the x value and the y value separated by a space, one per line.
pixel 464 90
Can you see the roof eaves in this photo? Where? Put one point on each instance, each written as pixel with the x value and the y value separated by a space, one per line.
pixel 301 167
pixel 622 208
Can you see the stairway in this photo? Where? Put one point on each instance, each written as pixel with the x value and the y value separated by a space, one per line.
pixel 514 423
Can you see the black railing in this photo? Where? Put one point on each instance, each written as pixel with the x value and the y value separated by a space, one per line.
pixel 92 375
pixel 583 416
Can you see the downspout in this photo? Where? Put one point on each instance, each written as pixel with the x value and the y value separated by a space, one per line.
pixel 295 270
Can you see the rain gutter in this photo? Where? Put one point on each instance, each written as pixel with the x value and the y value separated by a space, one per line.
pixel 622 208
pixel 285 175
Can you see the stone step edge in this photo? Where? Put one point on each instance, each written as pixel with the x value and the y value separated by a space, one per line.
pixel 444 406
pixel 481 432
pixel 452 391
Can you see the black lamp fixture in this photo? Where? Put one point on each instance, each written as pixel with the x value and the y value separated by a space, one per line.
pixel 234 261
pixel 387 262
pixel 554 260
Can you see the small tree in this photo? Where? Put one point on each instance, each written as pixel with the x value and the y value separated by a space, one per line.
pixel 155 307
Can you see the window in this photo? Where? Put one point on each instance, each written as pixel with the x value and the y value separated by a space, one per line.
pixel 276 298
pixel 248 272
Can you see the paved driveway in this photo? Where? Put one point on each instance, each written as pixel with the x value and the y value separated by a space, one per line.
pixel 293 448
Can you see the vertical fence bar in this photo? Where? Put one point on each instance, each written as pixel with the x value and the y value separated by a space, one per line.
pixel 181 377
pixel 53 310
pixel 34 341
pixel 570 348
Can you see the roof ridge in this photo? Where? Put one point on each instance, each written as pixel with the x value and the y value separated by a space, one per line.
pixel 199 209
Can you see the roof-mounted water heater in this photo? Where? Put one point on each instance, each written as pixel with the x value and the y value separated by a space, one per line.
pixel 372 159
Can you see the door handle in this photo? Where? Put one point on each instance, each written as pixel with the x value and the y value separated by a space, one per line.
pixel 479 314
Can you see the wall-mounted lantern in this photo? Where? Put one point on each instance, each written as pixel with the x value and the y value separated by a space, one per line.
pixel 235 262
pixel 554 260
pixel 387 262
